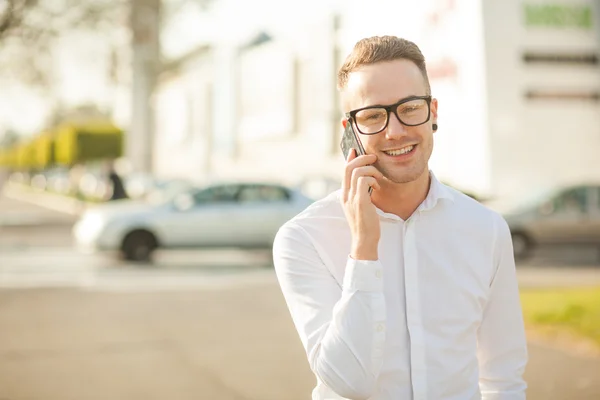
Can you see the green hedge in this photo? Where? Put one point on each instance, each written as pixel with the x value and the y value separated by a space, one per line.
pixel 26 156
pixel 44 150
pixel 82 143
pixel 67 144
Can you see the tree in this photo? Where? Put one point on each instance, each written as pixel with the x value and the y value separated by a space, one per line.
pixel 11 14
pixel 31 29
pixel 28 29
pixel 8 139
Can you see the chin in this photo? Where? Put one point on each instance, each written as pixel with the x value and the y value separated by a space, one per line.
pixel 404 176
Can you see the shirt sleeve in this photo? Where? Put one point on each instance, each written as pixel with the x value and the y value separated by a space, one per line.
pixel 502 347
pixel 342 328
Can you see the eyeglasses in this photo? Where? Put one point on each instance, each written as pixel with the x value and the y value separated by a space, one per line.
pixel 412 111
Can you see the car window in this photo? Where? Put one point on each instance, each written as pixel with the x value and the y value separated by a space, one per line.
pixel 572 201
pixel 217 194
pixel 596 198
pixel 262 193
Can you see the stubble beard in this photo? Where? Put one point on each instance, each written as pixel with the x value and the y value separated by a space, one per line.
pixel 411 172
pixel 403 175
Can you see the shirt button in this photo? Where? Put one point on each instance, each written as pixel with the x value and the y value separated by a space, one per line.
pixel 378 274
pixel 380 327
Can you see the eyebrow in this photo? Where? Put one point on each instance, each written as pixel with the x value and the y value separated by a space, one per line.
pixel 396 102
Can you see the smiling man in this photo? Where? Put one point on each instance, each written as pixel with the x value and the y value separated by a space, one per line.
pixel 409 292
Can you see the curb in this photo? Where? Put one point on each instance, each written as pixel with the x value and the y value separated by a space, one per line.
pixel 51 201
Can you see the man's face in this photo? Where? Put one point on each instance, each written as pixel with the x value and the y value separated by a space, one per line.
pixel 387 83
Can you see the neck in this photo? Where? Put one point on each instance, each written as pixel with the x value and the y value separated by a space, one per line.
pixel 402 199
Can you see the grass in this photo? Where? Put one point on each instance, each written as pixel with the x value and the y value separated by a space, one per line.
pixel 573 310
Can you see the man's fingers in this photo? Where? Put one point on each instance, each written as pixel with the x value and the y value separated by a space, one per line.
pixel 367 170
pixel 362 187
pixel 351 155
pixel 346 180
pixel 358 185
pixel 355 162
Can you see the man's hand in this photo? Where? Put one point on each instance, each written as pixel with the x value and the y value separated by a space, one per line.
pixel 360 211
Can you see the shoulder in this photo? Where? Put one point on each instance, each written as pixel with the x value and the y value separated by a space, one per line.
pixel 328 206
pixel 479 230
pixel 319 222
pixel 477 216
pixel 320 213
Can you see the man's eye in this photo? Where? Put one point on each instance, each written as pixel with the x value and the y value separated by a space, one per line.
pixel 409 110
pixel 375 116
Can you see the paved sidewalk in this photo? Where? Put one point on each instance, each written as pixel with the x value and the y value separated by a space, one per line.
pixel 40 200
pixel 230 344
pixel 553 374
pixel 564 276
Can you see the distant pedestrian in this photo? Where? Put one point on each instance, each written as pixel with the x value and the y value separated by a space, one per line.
pixel 117 187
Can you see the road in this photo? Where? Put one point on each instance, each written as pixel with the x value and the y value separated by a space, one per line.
pixel 195 325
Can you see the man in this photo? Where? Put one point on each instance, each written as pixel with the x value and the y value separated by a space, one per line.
pixel 410 292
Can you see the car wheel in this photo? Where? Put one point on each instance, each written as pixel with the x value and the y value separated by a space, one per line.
pixel 522 245
pixel 138 246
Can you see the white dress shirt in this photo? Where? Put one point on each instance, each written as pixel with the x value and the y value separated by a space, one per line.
pixel 436 317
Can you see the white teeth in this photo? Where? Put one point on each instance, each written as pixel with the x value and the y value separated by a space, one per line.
pixel 401 151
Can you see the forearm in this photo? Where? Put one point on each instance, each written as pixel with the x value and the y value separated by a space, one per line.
pixel 349 357
pixel 502 346
pixel 342 328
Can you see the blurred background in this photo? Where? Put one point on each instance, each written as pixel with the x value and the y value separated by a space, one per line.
pixel 150 150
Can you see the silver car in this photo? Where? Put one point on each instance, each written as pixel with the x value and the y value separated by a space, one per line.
pixel 567 215
pixel 230 215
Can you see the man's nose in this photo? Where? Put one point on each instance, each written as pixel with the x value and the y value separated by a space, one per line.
pixel 395 129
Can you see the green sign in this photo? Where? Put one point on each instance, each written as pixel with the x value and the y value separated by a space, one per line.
pixel 558 16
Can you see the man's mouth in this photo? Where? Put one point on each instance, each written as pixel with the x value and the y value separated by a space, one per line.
pixel 401 151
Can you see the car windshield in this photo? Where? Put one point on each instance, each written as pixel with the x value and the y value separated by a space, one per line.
pixel 537 197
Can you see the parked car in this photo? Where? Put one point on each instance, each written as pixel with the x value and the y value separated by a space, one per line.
pixel 219 215
pixel 146 186
pixel 317 187
pixel 563 215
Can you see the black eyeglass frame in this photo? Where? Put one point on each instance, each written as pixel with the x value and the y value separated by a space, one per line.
pixel 392 108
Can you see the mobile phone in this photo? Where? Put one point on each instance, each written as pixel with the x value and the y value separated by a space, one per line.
pixel 351 141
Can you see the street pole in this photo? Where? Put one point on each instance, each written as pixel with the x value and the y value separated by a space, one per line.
pixel 145 28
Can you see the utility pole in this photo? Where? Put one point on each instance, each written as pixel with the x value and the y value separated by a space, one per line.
pixel 145 28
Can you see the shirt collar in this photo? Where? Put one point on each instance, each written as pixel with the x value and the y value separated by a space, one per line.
pixel 437 191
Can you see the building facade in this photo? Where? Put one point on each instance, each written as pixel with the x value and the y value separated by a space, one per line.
pixel 517 84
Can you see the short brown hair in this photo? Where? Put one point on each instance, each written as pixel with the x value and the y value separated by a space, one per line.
pixel 379 49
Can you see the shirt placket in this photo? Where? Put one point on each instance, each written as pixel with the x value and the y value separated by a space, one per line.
pixel 413 313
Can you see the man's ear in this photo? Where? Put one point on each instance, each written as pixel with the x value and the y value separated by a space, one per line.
pixel 434 109
pixel 344 122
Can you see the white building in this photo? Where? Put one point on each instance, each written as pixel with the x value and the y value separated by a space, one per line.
pixel 517 83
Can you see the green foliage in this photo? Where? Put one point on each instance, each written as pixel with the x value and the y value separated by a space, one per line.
pixel 576 310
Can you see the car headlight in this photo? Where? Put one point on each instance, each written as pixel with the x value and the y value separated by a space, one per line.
pixel 89 227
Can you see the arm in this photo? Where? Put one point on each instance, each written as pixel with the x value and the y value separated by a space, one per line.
pixel 342 329
pixel 502 348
